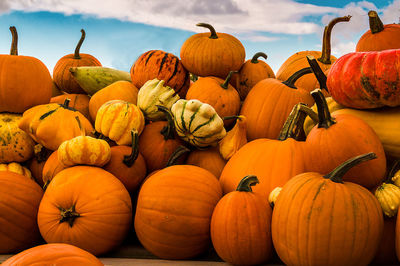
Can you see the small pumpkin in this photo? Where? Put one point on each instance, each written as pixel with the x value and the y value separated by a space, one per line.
pixel 209 159
pixel 234 139
pixel 153 93
pixel 16 168
pixel 163 66
pixel 61 74
pixel 379 37
pixel 119 90
pixel 79 102
pixel 197 123
pixel 51 168
pixel 212 54
pixel 388 196
pixel 116 119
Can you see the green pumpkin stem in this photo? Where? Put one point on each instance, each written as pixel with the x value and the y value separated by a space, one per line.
pixel 230 117
pixel 211 28
pixel 337 174
pixel 319 74
pixel 325 120
pixel 169 130
pixel 45 185
pixel 68 215
pixel 228 79
pixel 375 23
pixel 82 130
pixel 14 42
pixel 254 60
pixel 66 103
pixel 326 40
pixel 78 46
pixel 298 74
pixel 130 159
pixel 176 155
pixel 246 183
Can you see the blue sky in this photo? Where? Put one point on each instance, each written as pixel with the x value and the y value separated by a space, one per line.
pixel 118 31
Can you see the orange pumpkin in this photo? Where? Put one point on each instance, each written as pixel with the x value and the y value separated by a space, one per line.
pixel 24 80
pixel 215 54
pixel 61 74
pixel 174 209
pixel 52 167
pixel 87 207
pixel 386 254
pixel 79 102
pixel 379 37
pixel 163 66
pixel 19 203
pixel 57 254
pixel 241 226
pixel 209 159
pixel 36 164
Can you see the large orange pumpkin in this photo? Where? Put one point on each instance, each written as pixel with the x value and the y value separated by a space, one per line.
pixel 174 209
pixel 63 78
pixel 24 80
pixel 19 203
pixel 87 207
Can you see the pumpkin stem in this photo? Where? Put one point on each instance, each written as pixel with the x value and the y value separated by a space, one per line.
pixel 176 155
pixel 211 28
pixel 395 167
pixel 337 174
pixel 326 40
pixel 298 74
pixel 319 74
pixel 45 185
pixel 375 23
pixel 130 159
pixel 68 215
pixel 231 117
pixel 14 42
pixel 246 183
pixel 66 103
pixel 169 130
pixel 293 127
pixel 83 132
pixel 78 46
pixel 324 116
pixel 228 78
pixel 254 60
pixel 41 153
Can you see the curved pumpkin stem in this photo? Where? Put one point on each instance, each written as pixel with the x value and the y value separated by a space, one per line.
pixel 211 28
pixel 246 183
pixel 78 46
pixel 176 155
pixel 375 23
pixel 298 74
pixel 324 116
pixel 228 78
pixel 68 215
pixel 254 60
pixel 14 42
pixel 337 174
pixel 319 74
pixel 169 130
pixel 326 40
pixel 130 159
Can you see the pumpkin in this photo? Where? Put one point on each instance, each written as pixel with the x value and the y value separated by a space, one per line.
pixel 234 139
pixel 119 90
pixel 379 37
pixel 269 103
pixel 163 66
pixel 251 72
pixel 365 80
pixel 158 141
pixel 388 196
pixel 241 226
pixel 87 207
pixel 298 60
pixel 56 254
pixel 218 93
pixel 212 54
pixel 341 137
pixel 61 74
pixel 209 159
pixel 53 123
pixel 197 123
pixel 154 93
pixel 51 168
pixel 386 253
pixel 16 168
pixel 79 102
pixel 127 164
pixel 24 80
pixel 15 144
pixel 19 202
pixel 174 210
pixel 340 222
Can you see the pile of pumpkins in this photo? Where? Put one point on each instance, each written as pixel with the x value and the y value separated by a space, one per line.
pixel 208 147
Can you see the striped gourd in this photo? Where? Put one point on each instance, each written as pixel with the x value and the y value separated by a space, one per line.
pixel 163 66
pixel 16 168
pixel 197 123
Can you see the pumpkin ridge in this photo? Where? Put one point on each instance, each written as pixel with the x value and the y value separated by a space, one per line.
pixel 150 54
pixel 175 69
pixel 163 62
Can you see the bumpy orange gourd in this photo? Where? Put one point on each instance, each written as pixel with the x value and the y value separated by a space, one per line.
pixel 79 102
pixel 63 78
pixel 24 80
pixel 87 207
pixel 215 54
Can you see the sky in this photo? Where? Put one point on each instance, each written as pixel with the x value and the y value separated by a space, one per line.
pixel 119 31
